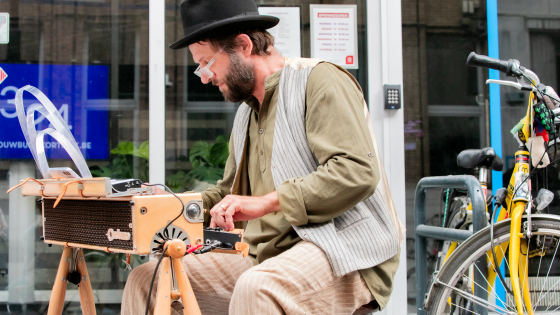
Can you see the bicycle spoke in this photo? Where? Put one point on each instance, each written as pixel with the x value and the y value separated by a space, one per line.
pixel 491 288
pixel 496 270
pixel 507 265
pixel 494 295
pixel 539 269
pixel 554 309
pixel 473 312
pixel 546 279
pixel 558 299
pixel 540 260
pixel 476 299
pixel 466 266
pixel 505 305
pixel 548 290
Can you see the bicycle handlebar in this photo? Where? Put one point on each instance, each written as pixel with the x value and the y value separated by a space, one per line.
pixel 475 60
pixel 510 67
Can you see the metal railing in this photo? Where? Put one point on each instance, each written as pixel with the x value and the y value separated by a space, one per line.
pixel 422 231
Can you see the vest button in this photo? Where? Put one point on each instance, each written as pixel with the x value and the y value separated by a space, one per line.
pixel 370 155
pixel 262 152
pixel 261 131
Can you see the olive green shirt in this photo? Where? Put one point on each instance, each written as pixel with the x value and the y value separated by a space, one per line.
pixel 335 128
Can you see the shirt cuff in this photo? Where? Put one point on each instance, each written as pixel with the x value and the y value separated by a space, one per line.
pixel 207 205
pixel 291 201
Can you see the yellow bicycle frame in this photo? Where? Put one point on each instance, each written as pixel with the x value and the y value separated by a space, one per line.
pixel 519 185
pixel 517 203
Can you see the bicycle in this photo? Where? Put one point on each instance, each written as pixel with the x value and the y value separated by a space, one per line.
pixel 520 240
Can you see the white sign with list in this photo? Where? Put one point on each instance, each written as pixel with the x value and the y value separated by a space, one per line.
pixel 334 34
pixel 4 28
pixel 287 34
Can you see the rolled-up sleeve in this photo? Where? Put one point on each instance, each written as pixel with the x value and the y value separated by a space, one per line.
pixel 212 196
pixel 340 140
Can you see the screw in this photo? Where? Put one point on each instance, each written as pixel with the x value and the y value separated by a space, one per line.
pixel 67 260
pixel 143 210
pixel 199 241
pixel 63 279
pixel 84 278
pixel 178 248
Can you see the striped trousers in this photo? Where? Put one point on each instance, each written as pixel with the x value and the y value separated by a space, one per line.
pixel 298 281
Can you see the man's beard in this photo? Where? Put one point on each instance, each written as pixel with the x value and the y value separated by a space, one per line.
pixel 240 80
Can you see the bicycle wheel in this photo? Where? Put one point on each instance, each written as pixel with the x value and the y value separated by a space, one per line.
pixel 465 274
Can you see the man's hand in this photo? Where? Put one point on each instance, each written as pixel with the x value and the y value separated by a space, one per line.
pixel 242 208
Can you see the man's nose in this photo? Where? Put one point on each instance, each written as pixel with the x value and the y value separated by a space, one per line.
pixel 206 79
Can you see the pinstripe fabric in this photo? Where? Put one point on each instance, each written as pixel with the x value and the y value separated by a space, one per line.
pixel 362 237
pixel 212 276
pixel 298 281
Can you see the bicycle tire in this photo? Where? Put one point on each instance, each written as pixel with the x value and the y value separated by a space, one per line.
pixel 477 246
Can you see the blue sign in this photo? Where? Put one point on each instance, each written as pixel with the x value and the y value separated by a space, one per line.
pixel 80 93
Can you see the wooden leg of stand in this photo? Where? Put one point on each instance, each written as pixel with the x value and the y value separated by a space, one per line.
pixel 163 295
pixel 84 288
pixel 190 305
pixel 58 293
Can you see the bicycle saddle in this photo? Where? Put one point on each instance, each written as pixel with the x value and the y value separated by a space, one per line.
pixel 474 158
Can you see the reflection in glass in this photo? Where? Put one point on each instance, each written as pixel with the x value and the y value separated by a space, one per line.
pixel 199 121
pixel 91 59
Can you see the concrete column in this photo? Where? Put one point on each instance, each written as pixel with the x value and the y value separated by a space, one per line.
pixel 385 62
pixel 21 222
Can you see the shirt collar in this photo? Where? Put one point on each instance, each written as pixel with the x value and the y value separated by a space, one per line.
pixel 270 83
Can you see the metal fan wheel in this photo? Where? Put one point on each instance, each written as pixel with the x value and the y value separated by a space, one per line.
pixel 163 235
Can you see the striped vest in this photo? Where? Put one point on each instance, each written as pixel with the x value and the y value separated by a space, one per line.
pixel 362 237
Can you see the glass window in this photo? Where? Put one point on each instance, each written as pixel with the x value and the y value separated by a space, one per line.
pixel 445 102
pixel 529 32
pixel 90 58
pixel 197 115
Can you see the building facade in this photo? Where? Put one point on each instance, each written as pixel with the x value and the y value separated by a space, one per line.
pixel 138 110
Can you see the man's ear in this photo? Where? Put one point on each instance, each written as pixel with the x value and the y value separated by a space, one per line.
pixel 245 44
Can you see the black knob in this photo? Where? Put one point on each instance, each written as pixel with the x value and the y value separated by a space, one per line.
pixel 501 195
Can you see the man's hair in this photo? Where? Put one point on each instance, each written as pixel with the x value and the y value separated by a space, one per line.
pixel 262 41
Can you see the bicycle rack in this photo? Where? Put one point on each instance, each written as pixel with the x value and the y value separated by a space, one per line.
pixel 422 231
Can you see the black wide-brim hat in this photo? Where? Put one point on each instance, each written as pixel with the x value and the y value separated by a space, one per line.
pixel 203 19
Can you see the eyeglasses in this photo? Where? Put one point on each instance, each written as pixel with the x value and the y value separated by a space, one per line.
pixel 205 71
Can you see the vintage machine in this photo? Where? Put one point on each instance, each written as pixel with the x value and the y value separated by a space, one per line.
pixel 115 216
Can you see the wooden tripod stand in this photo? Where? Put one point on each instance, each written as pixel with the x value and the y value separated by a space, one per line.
pixel 164 297
pixel 175 251
pixel 59 288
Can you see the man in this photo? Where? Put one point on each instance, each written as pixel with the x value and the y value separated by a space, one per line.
pixel 302 171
